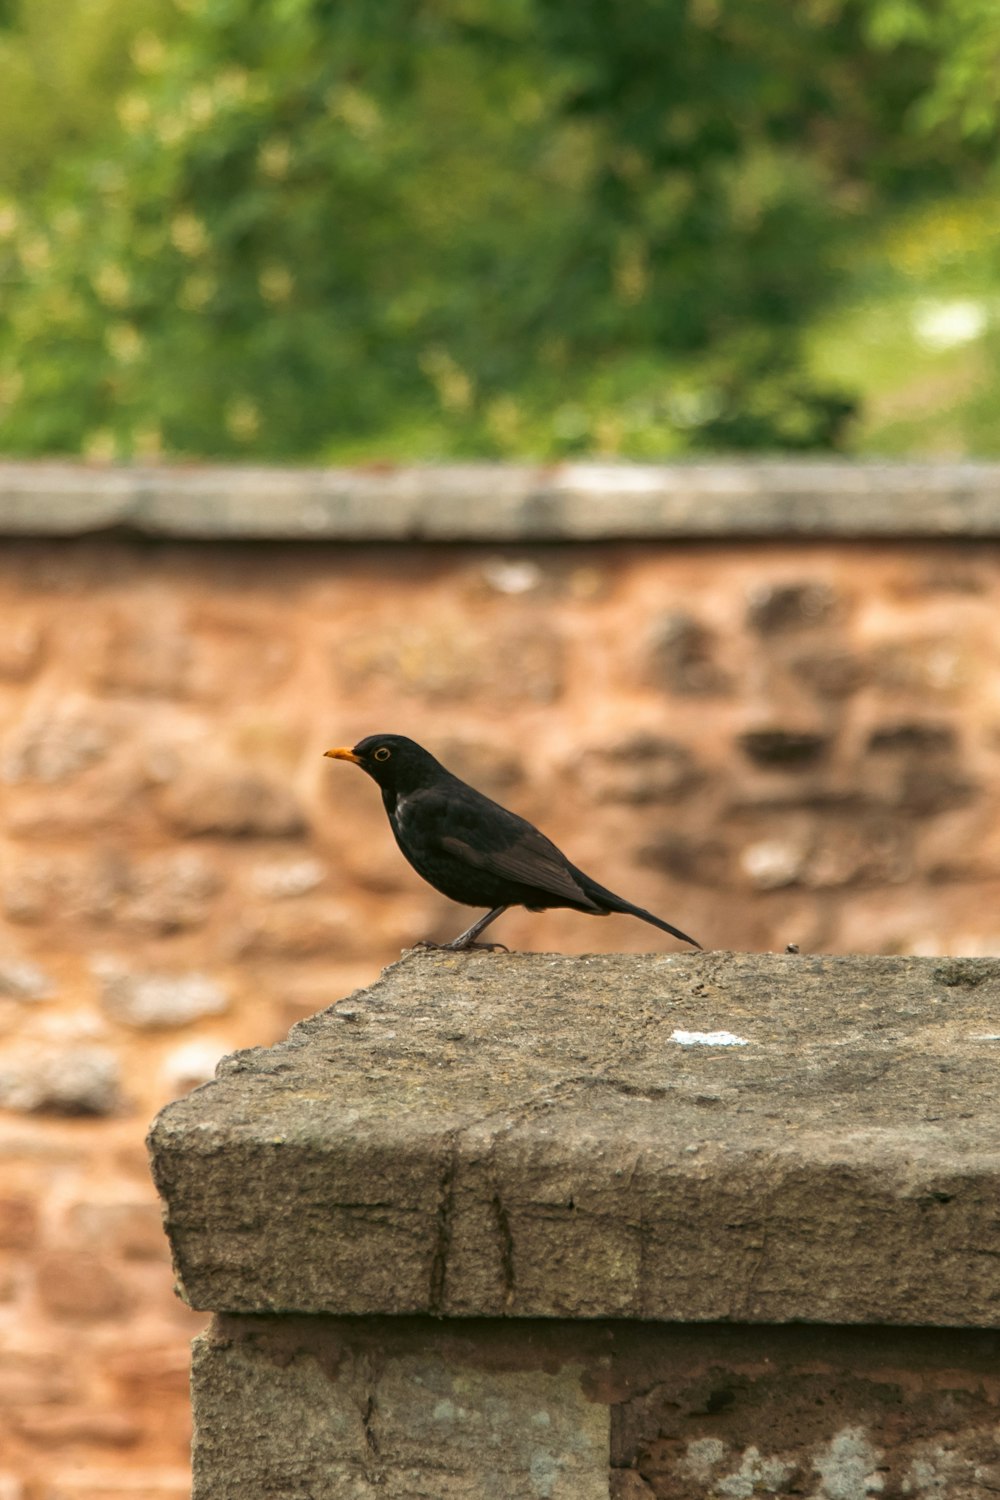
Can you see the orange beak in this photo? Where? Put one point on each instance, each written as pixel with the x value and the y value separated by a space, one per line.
pixel 343 754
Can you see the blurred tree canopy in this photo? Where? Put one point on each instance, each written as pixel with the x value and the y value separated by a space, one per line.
pixel 305 229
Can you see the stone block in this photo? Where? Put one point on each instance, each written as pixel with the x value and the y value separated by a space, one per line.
pixel 492 767
pixel 780 608
pixel 834 1414
pixel 708 862
pixel 517 1409
pixel 528 1135
pixel 21 649
pixel 167 892
pixel 39 888
pixel 151 1000
pixel 55 743
pixel 306 928
pixel 129 1228
pixel 509 503
pixel 18 1222
pixel 327 1421
pixel 167 654
pixel 80 1286
pixel 641 770
pixel 281 880
pixel 683 657
pixel 452 658
pixel 53 1427
pixel 230 803
pixel 929 667
pixel 828 672
pixel 916 765
pixel 73 1079
pixel 21 980
pixel 145 653
pixel 29 1379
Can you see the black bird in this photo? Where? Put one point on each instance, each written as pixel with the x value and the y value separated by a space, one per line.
pixel 473 850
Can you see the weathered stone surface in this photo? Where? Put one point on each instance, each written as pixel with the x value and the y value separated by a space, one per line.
pixel 493 767
pixel 143 656
pixel 79 1285
pixel 286 878
pixel 311 926
pixel 22 980
pixel 640 770
pixel 168 892
pixel 55 1428
pixel 515 1409
pixel 18 1222
pixel 780 607
pixel 214 656
pixel 683 657
pixel 508 502
pixel 532 1135
pixel 54 887
pixel 20 650
pixel 230 802
pixel 452 657
pixel 832 1414
pixel 64 1080
pixel 156 1000
pixel 870 848
pixel 311 1419
pixel 828 672
pixel 130 1228
pixel 55 744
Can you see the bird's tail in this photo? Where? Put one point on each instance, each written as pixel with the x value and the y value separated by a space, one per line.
pixel 647 916
pixel 611 903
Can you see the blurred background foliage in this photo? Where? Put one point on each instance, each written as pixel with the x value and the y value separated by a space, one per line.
pixel 407 229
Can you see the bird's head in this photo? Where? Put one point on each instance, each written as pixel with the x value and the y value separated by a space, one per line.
pixel 396 763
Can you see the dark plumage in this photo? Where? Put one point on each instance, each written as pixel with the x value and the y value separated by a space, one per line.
pixel 473 850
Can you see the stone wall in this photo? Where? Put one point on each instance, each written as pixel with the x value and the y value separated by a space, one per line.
pixel 631 1227
pixel 607 1410
pixel 791 741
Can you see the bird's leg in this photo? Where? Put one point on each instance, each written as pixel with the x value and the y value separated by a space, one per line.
pixel 466 940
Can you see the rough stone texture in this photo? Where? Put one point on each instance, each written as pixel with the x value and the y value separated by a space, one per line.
pixel 144 680
pixel 529 1135
pixel 311 1419
pixel 508 502
pixel 419 1409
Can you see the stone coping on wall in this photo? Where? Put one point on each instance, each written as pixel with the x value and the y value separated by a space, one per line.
pixel 506 503
pixel 739 1137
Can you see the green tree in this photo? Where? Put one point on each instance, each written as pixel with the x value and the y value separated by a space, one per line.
pixel 446 227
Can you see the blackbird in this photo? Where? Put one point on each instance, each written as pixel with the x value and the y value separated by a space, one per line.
pixel 473 850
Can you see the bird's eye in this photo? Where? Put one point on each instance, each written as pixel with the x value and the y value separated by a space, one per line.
pixel 383 752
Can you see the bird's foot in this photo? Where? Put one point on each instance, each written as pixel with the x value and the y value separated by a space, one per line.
pixel 459 947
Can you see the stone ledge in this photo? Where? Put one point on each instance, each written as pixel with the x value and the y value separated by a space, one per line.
pixel 506 503
pixel 525 1135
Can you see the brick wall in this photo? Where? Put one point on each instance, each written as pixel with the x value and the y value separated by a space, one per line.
pixel 795 742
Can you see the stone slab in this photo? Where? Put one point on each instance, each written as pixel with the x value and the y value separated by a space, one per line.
pixel 506 502
pixel 534 1135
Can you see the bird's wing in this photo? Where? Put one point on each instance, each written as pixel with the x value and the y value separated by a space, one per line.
pixel 517 851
